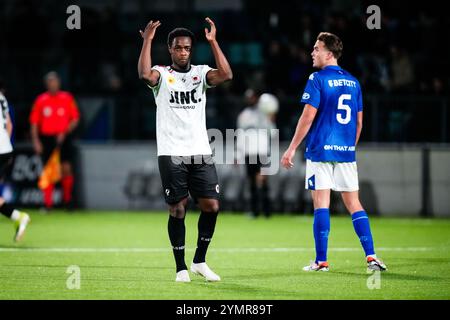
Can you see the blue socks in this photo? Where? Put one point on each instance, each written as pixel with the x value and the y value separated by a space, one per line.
pixel 321 228
pixel 362 228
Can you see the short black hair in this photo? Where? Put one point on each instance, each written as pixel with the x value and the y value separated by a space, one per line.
pixel 332 43
pixel 180 32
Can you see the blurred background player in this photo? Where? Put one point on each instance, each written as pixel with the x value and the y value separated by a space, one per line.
pixel 256 120
pixel 332 121
pixel 21 219
pixel 54 117
pixel 180 96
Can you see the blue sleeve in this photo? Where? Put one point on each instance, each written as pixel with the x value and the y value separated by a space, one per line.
pixel 311 95
pixel 360 99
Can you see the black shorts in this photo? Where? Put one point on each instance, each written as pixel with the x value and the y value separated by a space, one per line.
pixel 49 144
pixel 6 159
pixel 181 176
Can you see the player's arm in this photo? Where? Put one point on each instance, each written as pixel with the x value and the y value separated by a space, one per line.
pixel 72 126
pixel 73 123
pixel 37 144
pixel 223 72
pixel 34 127
pixel 303 126
pixel 9 125
pixel 146 74
pixel 75 116
pixel 359 125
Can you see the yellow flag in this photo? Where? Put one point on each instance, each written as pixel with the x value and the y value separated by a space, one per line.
pixel 51 173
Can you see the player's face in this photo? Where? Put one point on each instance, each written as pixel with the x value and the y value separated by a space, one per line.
pixel 53 84
pixel 320 55
pixel 180 51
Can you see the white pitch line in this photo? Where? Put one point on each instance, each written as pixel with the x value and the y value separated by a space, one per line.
pixel 226 250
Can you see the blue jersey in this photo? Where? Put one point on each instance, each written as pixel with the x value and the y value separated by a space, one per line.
pixel 337 96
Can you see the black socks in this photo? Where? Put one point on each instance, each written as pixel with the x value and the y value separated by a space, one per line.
pixel 177 233
pixel 206 226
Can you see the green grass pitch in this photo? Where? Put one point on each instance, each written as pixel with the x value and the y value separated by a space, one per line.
pixel 126 255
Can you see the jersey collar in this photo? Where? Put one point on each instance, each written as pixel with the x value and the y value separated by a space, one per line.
pixel 181 71
pixel 333 67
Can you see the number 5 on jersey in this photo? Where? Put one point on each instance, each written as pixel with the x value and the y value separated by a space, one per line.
pixel 341 106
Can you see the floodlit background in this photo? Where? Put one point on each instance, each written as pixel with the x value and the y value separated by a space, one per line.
pixel 404 155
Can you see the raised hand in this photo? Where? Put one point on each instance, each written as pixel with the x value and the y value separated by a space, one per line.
pixel 210 35
pixel 150 29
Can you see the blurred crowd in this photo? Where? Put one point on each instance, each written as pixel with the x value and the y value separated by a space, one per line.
pixel 267 45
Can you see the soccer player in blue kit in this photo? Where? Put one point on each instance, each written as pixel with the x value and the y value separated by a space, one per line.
pixel 331 121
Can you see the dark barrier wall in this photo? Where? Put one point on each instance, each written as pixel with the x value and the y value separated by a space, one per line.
pixel 20 186
pixel 391 180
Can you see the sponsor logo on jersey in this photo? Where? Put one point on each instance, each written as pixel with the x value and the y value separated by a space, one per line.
pixel 171 79
pixel 217 188
pixel 341 83
pixel 334 147
pixel 184 97
pixel 311 76
pixel 195 80
pixel 306 96
pixel 167 192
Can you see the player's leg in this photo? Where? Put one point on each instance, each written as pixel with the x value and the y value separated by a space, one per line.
pixel 362 228
pixel 21 219
pixel 67 177
pixel 321 225
pixel 319 179
pixel 254 194
pixel 174 182
pixel 346 178
pixel 206 226
pixel 204 186
pixel 263 187
pixel 177 235
pixel 67 181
